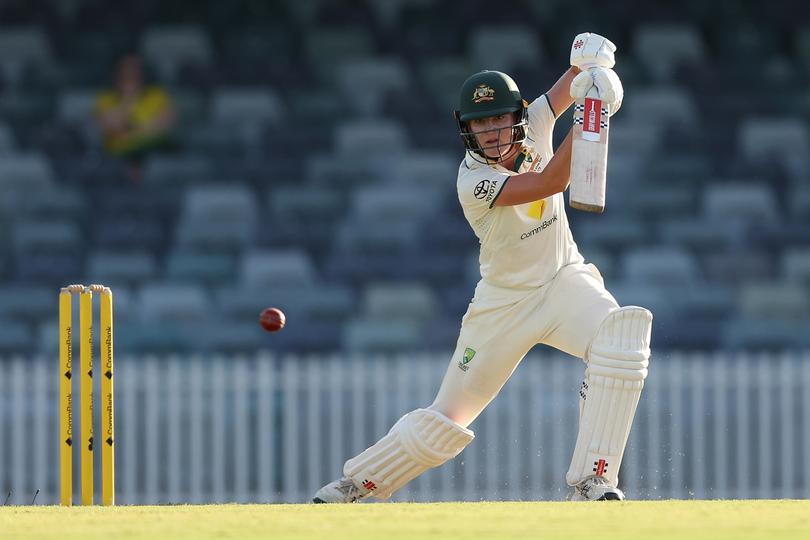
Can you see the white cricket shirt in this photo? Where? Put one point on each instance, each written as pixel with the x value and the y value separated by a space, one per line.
pixel 522 246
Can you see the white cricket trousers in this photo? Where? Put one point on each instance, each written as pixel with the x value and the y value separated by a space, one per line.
pixel 501 325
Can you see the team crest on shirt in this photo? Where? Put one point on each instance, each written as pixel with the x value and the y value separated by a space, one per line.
pixel 466 359
pixel 484 92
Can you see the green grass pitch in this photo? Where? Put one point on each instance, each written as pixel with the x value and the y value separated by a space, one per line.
pixel 657 520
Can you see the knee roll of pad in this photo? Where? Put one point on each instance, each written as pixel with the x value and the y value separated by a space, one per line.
pixel 420 440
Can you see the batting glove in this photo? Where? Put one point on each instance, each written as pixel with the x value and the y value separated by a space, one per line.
pixel 592 50
pixel 607 83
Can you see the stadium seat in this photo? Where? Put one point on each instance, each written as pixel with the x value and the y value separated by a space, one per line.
pixel 663 106
pixel 208 268
pixel 377 337
pixel 169 48
pixel 394 203
pixel 358 136
pixel 385 302
pixel 46 236
pixel 218 203
pixel 172 302
pixel 8 142
pixel 279 268
pixel 127 267
pixel 774 300
pixel 662 48
pixel 303 203
pixel 241 106
pixel 660 266
pixel 442 77
pixel 22 48
pixel 796 265
pixel 751 202
pixel 175 172
pixel 25 171
pixel 425 168
pixel 365 84
pixel 326 48
pixel 505 48
pixel 15 338
pixel 26 303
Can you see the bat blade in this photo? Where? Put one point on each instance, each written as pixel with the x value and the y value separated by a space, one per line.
pixel 589 154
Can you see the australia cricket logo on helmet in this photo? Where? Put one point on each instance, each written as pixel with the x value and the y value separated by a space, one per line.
pixel 491 93
pixel 484 92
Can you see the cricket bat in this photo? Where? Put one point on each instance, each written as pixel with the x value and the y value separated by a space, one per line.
pixel 589 153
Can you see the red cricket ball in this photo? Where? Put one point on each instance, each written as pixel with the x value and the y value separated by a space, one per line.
pixel 272 319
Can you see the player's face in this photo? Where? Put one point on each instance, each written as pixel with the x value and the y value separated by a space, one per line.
pixel 494 134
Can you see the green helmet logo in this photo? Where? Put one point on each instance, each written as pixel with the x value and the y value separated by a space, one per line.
pixel 490 93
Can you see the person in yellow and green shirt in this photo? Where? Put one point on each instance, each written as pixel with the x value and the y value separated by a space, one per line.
pixel 135 119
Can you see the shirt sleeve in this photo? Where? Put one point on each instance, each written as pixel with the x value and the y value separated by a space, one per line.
pixel 541 118
pixel 479 189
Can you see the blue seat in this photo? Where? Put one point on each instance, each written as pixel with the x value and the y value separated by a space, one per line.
pixel 505 47
pixel 46 237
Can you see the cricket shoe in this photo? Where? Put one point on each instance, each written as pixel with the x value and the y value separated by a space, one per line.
pixel 596 488
pixel 340 491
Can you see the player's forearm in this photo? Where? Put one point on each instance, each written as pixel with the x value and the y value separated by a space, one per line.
pixel 531 186
pixel 559 95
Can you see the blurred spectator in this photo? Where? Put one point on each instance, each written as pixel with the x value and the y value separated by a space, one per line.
pixel 135 119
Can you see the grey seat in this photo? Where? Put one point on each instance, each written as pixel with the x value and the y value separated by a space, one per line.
pixel 663 265
pixel 173 302
pixel 277 268
pixel 774 300
pixel 505 47
pixel 217 202
pixel 130 267
pixel 412 301
pixel 425 168
pixel 796 264
pixel 168 48
pixel 442 77
pixel 739 201
pixel 170 171
pixel 25 171
pixel 21 48
pixel 326 48
pixel 662 48
pixel 663 106
pixel 372 336
pixel 46 236
pixel 26 302
pixel 394 203
pixel 356 137
pixel 365 83
pixel 15 338
pixel 200 267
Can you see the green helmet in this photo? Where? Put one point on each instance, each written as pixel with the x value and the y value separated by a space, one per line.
pixel 490 93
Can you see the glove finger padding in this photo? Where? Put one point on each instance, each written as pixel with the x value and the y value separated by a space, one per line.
pixel 609 85
pixel 590 50
pixel 581 84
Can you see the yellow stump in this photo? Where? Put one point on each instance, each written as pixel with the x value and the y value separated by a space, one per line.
pixel 107 397
pixel 86 389
pixel 66 397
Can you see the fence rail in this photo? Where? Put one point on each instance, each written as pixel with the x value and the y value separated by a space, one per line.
pixel 265 429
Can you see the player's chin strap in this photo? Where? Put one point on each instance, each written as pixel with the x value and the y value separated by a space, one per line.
pixel 617 366
pixel 421 439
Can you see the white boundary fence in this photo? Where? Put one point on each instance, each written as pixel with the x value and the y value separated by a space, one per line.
pixel 265 429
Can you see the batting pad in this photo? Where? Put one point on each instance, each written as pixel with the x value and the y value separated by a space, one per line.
pixel 420 440
pixel 617 366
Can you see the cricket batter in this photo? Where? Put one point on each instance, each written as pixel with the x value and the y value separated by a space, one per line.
pixel 535 288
